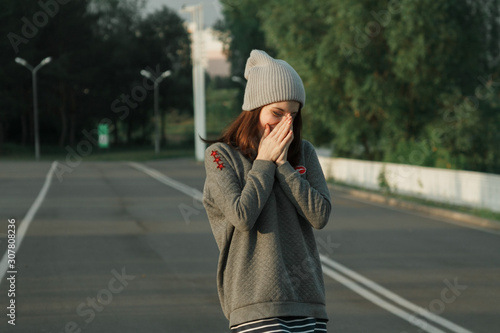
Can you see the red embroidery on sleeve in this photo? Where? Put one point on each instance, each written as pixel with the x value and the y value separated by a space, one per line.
pixel 215 154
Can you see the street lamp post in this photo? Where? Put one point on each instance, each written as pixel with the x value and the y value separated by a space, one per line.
pixel 24 63
pixel 156 82
pixel 198 80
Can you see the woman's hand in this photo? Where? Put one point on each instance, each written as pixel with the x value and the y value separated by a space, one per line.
pixel 284 154
pixel 275 143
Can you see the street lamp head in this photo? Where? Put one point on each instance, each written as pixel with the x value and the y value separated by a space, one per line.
pixel 238 79
pixel 146 74
pixel 20 61
pixel 166 74
pixel 46 61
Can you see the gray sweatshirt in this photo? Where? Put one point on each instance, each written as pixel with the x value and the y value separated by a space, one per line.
pixel 262 218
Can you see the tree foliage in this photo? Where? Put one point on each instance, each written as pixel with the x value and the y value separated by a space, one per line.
pixel 98 49
pixel 241 32
pixel 399 81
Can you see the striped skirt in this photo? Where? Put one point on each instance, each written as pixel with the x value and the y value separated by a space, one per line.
pixel 282 325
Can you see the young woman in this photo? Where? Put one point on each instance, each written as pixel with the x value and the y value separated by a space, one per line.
pixel 263 194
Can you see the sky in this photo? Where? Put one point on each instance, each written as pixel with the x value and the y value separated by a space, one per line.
pixel 212 8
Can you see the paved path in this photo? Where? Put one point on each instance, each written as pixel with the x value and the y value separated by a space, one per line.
pixel 112 249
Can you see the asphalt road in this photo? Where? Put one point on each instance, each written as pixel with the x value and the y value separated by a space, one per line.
pixel 113 249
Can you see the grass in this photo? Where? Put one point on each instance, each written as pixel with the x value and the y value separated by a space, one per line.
pixel 479 212
pixel 178 127
pixel 13 152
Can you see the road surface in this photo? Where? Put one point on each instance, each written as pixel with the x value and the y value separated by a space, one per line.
pixel 119 247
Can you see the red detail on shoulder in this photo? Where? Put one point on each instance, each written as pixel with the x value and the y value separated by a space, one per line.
pixel 301 169
pixel 215 154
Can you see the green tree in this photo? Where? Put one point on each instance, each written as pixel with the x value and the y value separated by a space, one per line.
pixel 164 42
pixel 381 76
pixel 98 49
pixel 241 32
pixel 130 42
pixel 33 31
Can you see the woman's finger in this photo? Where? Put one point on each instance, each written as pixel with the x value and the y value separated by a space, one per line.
pixel 267 130
pixel 283 132
pixel 287 140
pixel 291 137
pixel 279 126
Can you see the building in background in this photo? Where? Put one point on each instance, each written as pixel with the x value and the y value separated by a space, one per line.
pixel 214 60
pixel 217 63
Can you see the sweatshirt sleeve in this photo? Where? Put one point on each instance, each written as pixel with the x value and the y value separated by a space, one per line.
pixel 240 204
pixel 310 195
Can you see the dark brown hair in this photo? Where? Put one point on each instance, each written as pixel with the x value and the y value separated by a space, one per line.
pixel 243 134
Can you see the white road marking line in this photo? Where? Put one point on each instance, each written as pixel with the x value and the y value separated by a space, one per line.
pixel 328 270
pixel 192 192
pixel 393 297
pixel 423 325
pixel 25 223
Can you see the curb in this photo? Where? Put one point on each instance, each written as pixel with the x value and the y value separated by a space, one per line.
pixel 434 211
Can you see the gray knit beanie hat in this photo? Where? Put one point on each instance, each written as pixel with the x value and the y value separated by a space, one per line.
pixel 269 81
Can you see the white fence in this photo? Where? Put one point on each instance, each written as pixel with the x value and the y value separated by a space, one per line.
pixel 465 188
